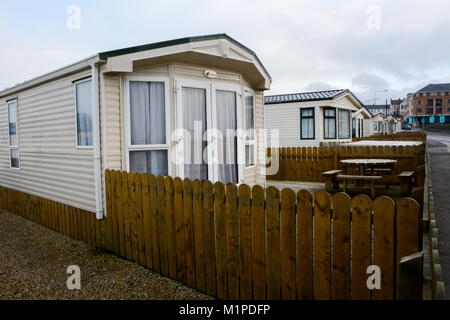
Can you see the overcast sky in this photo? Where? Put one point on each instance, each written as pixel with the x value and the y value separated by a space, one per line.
pixel 365 46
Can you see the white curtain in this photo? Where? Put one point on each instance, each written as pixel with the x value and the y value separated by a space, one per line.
pixel 84 113
pixel 227 144
pixel 307 124
pixel 330 124
pixel 344 124
pixel 12 110
pixel 148 119
pixel 194 121
pixel 148 127
pixel 152 162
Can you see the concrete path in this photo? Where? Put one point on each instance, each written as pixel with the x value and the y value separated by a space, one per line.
pixel 439 149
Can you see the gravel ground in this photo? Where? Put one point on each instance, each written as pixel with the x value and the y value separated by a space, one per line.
pixel 34 261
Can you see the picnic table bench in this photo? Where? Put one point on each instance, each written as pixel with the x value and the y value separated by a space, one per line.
pixel 331 181
pixel 406 178
pixel 372 179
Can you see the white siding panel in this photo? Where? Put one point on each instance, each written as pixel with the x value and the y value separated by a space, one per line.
pixel 51 165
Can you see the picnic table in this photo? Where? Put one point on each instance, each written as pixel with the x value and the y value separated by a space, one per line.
pixel 379 168
pixel 363 164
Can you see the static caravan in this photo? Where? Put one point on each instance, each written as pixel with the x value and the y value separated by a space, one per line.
pixel 164 108
pixel 315 118
pixel 379 124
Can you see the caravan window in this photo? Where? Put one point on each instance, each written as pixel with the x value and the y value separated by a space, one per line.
pixel 84 114
pixel 13 135
pixel 307 127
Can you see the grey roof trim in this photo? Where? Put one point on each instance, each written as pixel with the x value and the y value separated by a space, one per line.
pixel 309 96
pixel 304 96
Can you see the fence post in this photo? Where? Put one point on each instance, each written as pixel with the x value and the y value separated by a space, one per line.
pixel 410 277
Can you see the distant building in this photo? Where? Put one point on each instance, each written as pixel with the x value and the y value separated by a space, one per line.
pixel 407 106
pixel 431 104
pixel 379 108
pixel 395 107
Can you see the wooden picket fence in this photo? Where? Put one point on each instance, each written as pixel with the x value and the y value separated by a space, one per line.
pixel 76 223
pixel 306 164
pixel 255 243
pixel 241 242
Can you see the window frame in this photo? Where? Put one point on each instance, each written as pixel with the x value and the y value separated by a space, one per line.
pixel 10 146
pixel 335 123
pixel 129 147
pixel 313 117
pixel 76 83
pixel 250 142
pixel 350 130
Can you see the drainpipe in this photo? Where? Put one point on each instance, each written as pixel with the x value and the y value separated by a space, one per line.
pixel 96 133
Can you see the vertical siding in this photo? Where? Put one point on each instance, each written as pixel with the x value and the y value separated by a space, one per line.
pixel 51 165
pixel 110 97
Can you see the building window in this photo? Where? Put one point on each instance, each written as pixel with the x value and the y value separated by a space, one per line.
pixel 448 100
pixel 419 102
pixel 344 124
pixel 438 102
pixel 375 126
pixel 13 135
pixel 438 94
pixel 446 94
pixel 250 129
pixel 429 102
pixel 329 123
pixel 419 109
pixel 420 94
pixel 429 110
pixel 84 113
pixel 354 127
pixel 148 147
pixel 448 109
pixel 438 110
pixel 428 94
pixel 307 126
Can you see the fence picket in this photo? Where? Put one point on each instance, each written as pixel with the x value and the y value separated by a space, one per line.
pixel 383 246
pixel 245 242
pixel 322 246
pixel 171 229
pixel 273 244
pixel 259 243
pixel 209 237
pixel 220 240
pixel 179 227
pixel 341 246
pixel 288 244
pixel 361 231
pixel 200 271
pixel 188 232
pixel 304 245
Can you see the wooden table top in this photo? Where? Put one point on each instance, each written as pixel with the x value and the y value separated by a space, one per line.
pixel 369 161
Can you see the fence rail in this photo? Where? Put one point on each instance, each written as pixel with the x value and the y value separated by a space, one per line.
pixel 306 164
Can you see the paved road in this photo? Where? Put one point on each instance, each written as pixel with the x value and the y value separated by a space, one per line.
pixel 439 149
